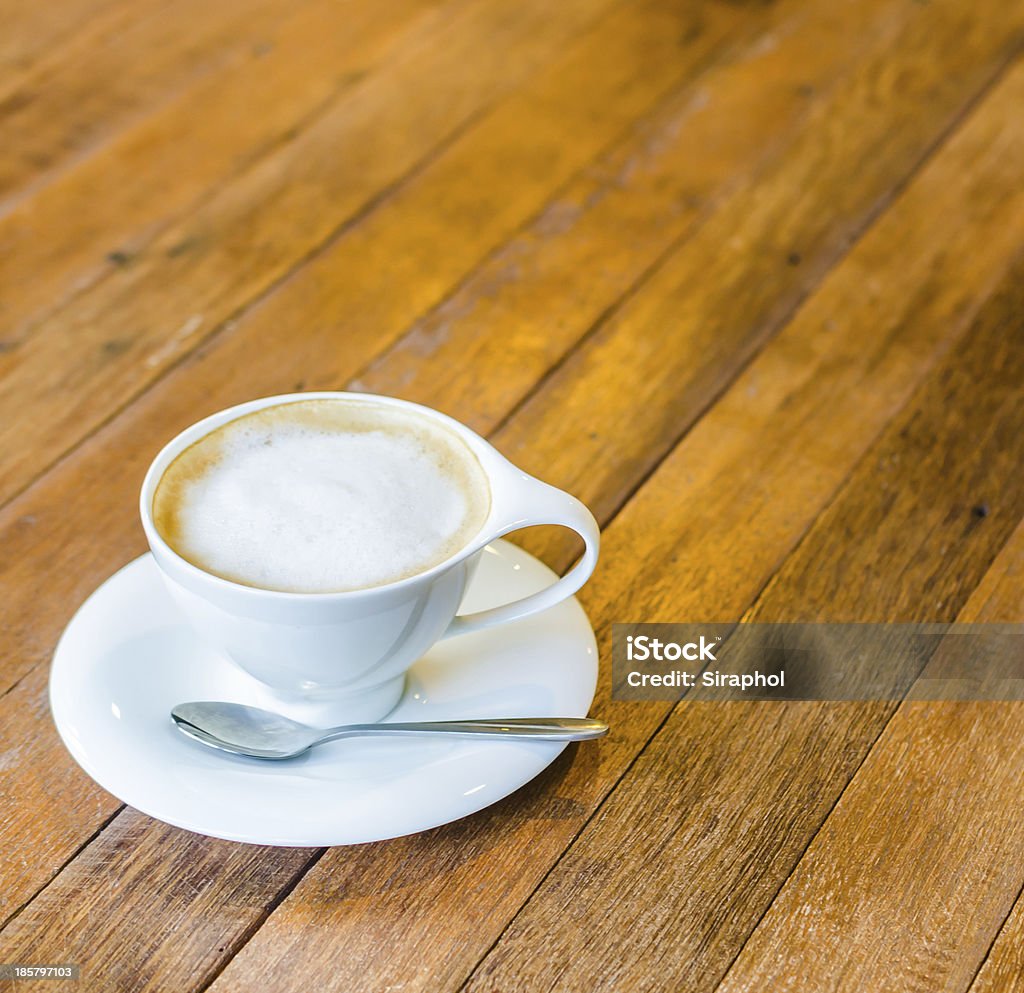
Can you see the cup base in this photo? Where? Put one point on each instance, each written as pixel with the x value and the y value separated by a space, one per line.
pixel 330 710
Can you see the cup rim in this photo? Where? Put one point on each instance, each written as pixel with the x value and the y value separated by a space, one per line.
pixel 489 458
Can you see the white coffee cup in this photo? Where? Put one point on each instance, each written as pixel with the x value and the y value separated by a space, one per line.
pixel 338 657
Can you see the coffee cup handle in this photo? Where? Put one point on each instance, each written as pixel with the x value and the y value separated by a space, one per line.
pixel 534 502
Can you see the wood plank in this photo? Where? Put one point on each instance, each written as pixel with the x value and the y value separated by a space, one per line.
pixel 562 275
pixel 917 908
pixel 136 323
pixel 147 960
pixel 116 68
pixel 541 821
pixel 727 289
pixel 1004 964
pixel 111 204
pixel 665 884
pixel 530 294
pixel 325 330
pixel 31 30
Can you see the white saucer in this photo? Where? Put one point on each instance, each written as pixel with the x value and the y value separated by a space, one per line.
pixel 126 658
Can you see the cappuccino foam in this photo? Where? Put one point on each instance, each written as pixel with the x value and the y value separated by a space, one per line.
pixel 319 496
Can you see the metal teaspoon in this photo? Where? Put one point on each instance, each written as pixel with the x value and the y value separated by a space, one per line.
pixel 244 730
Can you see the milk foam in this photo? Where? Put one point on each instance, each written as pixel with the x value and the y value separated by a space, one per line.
pixel 321 496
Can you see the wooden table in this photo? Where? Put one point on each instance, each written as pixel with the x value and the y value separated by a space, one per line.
pixel 746 277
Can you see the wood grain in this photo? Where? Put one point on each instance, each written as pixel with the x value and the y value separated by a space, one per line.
pixel 109 205
pixel 81 92
pixel 121 461
pixel 606 231
pixel 949 774
pixel 30 30
pixel 122 875
pixel 717 300
pixel 1005 962
pixel 686 854
pixel 247 236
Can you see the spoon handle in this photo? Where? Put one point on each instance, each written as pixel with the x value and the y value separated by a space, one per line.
pixel 537 728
